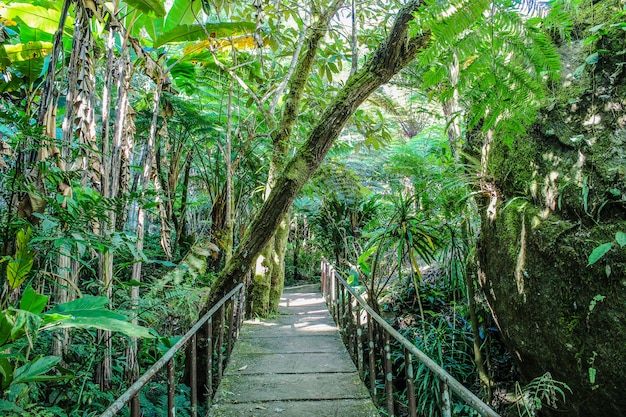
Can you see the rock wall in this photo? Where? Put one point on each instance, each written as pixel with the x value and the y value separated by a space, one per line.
pixel 562 192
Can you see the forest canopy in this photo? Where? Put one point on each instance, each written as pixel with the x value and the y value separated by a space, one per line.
pixel 460 162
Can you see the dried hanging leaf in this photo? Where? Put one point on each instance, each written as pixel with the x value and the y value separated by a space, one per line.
pixel 30 204
pixel 5 150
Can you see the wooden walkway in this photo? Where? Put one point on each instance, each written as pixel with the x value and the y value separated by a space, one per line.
pixel 292 366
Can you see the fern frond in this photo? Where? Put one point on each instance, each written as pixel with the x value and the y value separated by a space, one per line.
pixel 456 19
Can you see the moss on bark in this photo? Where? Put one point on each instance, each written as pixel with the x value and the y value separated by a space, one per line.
pixel 562 192
pixel 393 54
pixel 278 274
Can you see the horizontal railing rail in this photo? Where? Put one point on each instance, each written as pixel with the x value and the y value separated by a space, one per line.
pixel 368 334
pixel 214 355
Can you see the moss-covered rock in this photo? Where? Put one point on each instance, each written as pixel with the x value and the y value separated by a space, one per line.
pixel 541 292
pixel 562 193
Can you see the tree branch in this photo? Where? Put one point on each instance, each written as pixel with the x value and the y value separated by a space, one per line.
pixel 297 82
pixel 393 55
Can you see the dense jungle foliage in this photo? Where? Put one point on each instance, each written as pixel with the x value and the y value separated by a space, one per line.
pixel 462 163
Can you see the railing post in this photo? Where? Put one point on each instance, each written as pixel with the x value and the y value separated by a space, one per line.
pixel 231 322
pixel 194 376
pixel 334 291
pixel 209 361
pixel 359 342
pixel 341 306
pixel 446 408
pixel 389 377
pixel 135 406
pixel 171 404
pixel 220 345
pixel 240 314
pixel 410 383
pixel 372 355
pixel 351 327
pixel 323 278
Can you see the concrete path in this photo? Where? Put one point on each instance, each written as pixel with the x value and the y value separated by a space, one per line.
pixel 294 365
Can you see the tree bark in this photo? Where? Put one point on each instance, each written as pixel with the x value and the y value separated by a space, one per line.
pixel 394 54
pixel 277 278
pixel 269 274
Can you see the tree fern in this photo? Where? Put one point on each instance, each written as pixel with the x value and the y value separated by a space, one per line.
pixel 449 20
pixel 503 53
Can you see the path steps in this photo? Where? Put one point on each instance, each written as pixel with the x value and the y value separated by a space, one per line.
pixel 294 365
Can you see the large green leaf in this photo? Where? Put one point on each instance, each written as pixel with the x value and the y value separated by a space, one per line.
pixel 46 19
pixel 186 33
pixel 620 237
pixel 90 312
pixel 151 7
pixel 25 324
pixel 6 373
pixel 30 34
pixel 183 12
pixel 6 323
pixel 50 320
pixel 5 62
pixel 599 252
pixel 184 74
pixel 9 406
pixel 17 271
pixel 145 24
pixel 104 320
pixel 87 302
pixel 19 267
pixel 35 370
pixel 33 302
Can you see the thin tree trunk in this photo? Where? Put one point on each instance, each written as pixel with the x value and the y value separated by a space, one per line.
pixel 229 224
pixel 64 269
pixel 485 379
pixel 47 118
pixel 143 180
pixel 79 119
pixel 277 279
pixel 166 241
pixel 452 109
pixel 355 40
pixel 47 93
pixel 181 230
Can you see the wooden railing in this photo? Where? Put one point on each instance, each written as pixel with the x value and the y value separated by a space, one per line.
pixel 221 323
pixel 368 339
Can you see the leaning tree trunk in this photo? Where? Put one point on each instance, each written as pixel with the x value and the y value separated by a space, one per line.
pixel 394 54
pixel 269 274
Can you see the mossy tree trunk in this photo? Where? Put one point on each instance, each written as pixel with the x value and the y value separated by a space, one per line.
pixel 393 54
pixel 269 273
pixel 278 273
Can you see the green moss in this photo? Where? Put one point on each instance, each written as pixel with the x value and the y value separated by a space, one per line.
pixel 515 164
pixel 594 12
pixel 512 216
